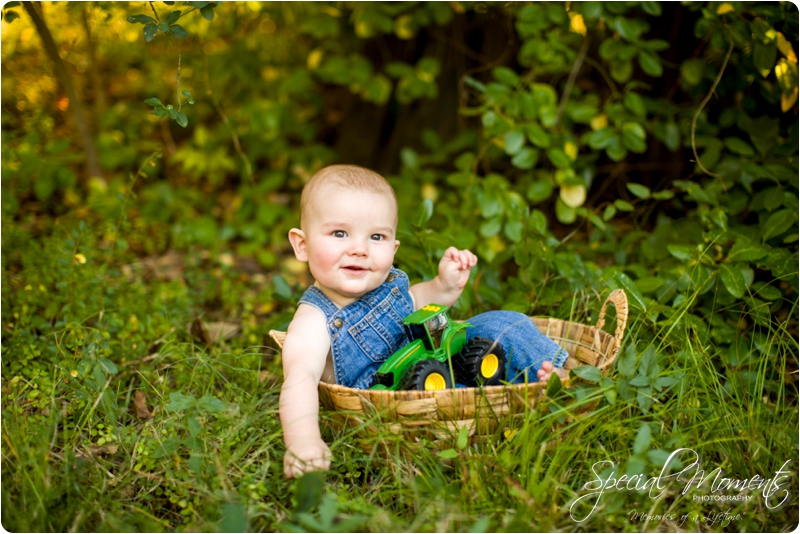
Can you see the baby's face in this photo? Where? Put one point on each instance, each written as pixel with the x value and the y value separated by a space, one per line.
pixel 350 241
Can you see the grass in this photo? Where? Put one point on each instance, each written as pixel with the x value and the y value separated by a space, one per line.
pixel 206 455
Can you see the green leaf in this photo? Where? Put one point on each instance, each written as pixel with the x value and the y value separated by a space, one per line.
pixel 10 16
pixel 154 102
pixel 764 56
pixel 651 8
pixel 672 136
pixel 746 250
pixel 627 364
pixel 656 44
pixel 564 213
pixel 423 213
pixel 141 19
pixel 559 158
pixel 537 135
pixel 539 191
pixel 779 222
pixel 650 63
pixel 491 227
pixel 609 212
pixel 160 112
pixel 179 401
pixel 681 252
pixel 638 190
pixel 182 120
pixel 108 365
pixel 666 381
pixel 601 139
pixel 211 404
pixel 640 381
pixel 739 147
pixel 630 288
pixel 506 75
pixel 513 141
pixel 463 438
pixel 526 158
pixel 448 454
pixel 150 31
pixel 172 17
pixel 554 385
pixel 666 194
pixel 635 104
pixel 732 279
pixel 609 48
pixel 308 491
pixel 207 12
pixel 642 442
pixel 621 71
pixel 629 29
pixel 633 137
pixel 194 426
pixel 590 373
pixel 623 205
pixel 281 287
pixel 616 150
pixel 188 96
pixel 178 31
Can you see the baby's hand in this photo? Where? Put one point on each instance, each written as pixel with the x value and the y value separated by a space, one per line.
pixel 305 456
pixel 455 266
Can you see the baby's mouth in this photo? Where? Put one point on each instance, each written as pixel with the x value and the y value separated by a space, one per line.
pixel 354 269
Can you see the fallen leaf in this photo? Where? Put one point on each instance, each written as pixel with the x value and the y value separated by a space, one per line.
pixel 199 331
pixel 140 405
pixel 221 330
pixel 210 333
pixel 94 450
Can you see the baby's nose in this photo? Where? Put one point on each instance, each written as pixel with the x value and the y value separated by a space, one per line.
pixel 358 248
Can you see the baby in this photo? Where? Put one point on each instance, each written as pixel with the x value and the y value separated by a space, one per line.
pixel 351 319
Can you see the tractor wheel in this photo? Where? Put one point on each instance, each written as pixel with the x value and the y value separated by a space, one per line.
pixel 428 375
pixel 480 361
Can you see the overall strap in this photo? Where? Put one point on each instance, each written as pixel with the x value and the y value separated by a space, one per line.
pixel 315 297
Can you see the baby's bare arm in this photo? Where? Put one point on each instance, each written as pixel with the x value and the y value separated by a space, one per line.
pixel 304 354
pixel 445 289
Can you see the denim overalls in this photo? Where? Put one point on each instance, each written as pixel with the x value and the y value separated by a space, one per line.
pixel 367 331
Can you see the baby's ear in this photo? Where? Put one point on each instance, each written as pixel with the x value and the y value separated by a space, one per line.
pixel 396 245
pixel 298 240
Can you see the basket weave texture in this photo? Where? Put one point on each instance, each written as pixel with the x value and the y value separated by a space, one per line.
pixel 438 415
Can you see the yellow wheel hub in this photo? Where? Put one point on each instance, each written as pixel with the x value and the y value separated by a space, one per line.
pixel 434 381
pixel 489 365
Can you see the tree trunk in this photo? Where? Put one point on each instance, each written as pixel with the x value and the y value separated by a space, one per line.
pixel 100 101
pixel 66 83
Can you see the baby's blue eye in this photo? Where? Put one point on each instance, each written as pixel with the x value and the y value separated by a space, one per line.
pixel 377 237
pixel 339 233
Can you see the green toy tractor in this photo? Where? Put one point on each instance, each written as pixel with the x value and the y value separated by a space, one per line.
pixel 423 363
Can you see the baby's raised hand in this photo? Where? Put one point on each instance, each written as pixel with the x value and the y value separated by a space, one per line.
pixel 455 266
pixel 305 456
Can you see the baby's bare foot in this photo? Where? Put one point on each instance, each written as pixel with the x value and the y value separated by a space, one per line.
pixel 547 368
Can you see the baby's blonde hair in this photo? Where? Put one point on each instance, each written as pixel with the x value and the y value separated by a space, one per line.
pixel 349 176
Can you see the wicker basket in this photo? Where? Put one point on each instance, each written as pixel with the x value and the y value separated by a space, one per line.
pixel 438 415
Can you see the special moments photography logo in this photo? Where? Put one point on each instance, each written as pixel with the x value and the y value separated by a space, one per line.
pixel 705 487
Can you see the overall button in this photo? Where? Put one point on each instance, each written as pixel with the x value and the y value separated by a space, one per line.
pixel 390 278
pixel 338 323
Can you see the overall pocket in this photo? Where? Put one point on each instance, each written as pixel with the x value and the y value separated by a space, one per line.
pixel 380 333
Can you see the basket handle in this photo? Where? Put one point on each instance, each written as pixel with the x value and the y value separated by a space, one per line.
pixel 620 301
pixel 278 336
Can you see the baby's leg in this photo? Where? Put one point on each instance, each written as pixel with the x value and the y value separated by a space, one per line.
pixel 527 349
